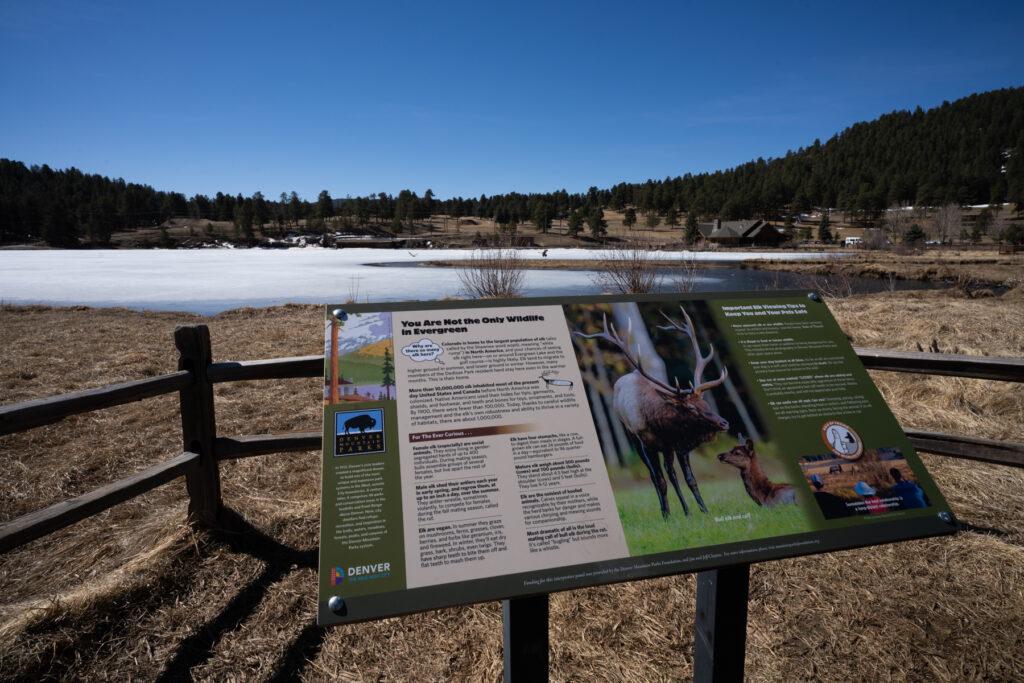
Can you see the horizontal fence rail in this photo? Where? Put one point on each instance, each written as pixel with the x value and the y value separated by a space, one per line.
pixel 968 447
pixel 949 364
pixel 29 414
pixel 232 448
pixel 272 368
pixel 18 417
pixel 40 523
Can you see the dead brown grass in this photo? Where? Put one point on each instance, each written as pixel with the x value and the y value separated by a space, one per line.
pixel 975 267
pixel 132 594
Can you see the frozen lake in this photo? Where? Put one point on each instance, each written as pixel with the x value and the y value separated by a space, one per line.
pixel 212 280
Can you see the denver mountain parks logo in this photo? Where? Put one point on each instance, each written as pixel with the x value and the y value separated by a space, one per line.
pixel 842 440
pixel 358 432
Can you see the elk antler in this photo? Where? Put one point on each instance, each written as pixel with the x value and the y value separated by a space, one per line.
pixel 698 384
pixel 611 335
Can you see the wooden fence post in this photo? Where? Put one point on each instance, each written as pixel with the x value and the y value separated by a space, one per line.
pixel 198 425
pixel 720 631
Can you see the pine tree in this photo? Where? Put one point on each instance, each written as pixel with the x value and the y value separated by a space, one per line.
pixel 223 207
pixel 629 219
pixel 672 217
pixel 295 207
pixel 324 205
pixel 914 235
pixel 282 209
pixel 261 210
pixel 407 208
pixel 59 229
pixel 598 225
pixel 575 223
pixel 692 229
pixel 362 211
pixel 824 234
pixel 542 216
pixel 428 203
pixel 243 217
pixel 387 379
pixel 652 220
pixel 248 215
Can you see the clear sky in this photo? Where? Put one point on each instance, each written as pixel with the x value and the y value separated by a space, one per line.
pixel 360 97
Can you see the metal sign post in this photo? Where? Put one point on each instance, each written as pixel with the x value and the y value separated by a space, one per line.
pixel 720 629
pixel 525 638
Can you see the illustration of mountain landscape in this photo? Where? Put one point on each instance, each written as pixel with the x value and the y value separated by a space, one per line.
pixel 365 357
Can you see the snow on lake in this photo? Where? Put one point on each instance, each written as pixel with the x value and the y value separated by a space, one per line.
pixel 211 280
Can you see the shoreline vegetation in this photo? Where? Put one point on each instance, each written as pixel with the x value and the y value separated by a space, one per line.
pixel 977 269
pixel 134 591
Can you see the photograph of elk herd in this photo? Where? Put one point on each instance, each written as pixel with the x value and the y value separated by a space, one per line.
pixel 689 457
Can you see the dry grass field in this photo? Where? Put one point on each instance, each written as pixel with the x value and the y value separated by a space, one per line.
pixel 132 594
pixel 447 230
pixel 977 267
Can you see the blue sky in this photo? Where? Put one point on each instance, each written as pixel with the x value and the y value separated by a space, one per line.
pixel 466 98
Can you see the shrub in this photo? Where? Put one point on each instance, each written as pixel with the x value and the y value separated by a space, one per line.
pixel 497 273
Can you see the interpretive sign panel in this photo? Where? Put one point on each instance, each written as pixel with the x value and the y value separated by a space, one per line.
pixel 491 449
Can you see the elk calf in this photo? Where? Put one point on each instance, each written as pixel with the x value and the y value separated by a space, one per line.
pixel 762 490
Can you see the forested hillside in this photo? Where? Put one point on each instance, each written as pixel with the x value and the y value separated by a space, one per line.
pixel 970 151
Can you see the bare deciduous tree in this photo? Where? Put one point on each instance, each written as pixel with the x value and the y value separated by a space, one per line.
pixel 874 239
pixel 629 269
pixel 898 220
pixel 833 280
pixel 998 223
pixel 684 275
pixel 947 222
pixel 497 273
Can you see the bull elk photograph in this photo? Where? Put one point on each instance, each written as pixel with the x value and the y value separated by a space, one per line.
pixel 665 403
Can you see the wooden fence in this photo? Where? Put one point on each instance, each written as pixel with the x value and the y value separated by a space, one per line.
pixel 202 449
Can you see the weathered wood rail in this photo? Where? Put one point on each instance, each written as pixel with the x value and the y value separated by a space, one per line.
pixel 203 449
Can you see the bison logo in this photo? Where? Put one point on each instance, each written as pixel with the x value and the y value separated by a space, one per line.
pixel 360 422
pixel 359 432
